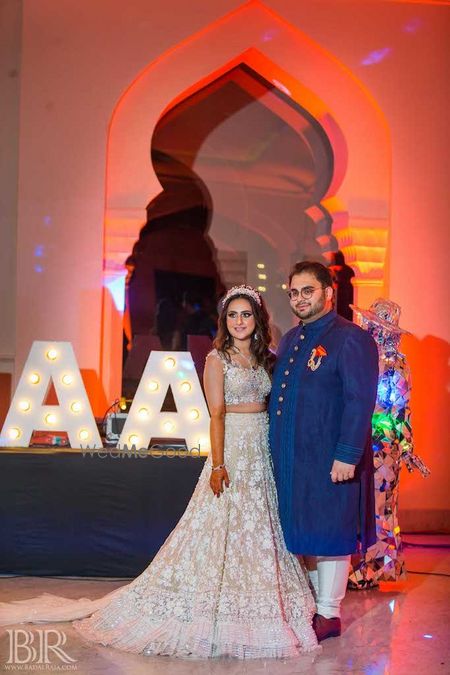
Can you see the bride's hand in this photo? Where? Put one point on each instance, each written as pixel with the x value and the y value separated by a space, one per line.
pixel 218 478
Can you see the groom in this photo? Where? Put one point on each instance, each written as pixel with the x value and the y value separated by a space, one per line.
pixel 323 395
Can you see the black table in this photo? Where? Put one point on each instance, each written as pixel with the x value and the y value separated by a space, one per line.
pixel 62 513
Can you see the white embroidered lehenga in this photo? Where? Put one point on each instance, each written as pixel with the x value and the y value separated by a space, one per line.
pixel 223 583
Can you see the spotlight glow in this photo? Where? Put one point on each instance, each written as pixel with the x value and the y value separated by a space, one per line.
pixel 14 433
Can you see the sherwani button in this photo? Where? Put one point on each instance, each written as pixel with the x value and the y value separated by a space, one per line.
pixel 296 348
pixel 281 398
pixel 286 372
pixel 302 337
pixel 291 360
pixel 283 386
pixel 278 412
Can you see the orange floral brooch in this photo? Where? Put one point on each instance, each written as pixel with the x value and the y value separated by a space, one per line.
pixel 316 357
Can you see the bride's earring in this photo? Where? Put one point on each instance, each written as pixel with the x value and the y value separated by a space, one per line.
pixel 255 336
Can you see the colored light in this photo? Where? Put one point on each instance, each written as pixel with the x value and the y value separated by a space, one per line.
pixel 153 385
pixel 50 418
pixel 168 426
pixel 123 403
pixel 34 378
pixel 262 276
pixel 76 407
pixel 262 289
pixel 14 433
pixel 143 413
pixel 194 414
pixel 52 354
pixel 428 636
pixel 24 405
pixel 376 56
pixel 260 266
pixel 133 439
pixel 170 363
pixel 284 287
pixel 67 379
pixel 185 386
pixel 83 435
pixel 116 288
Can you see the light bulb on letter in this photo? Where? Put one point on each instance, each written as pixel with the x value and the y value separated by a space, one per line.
pixel 143 413
pixel 168 426
pixel 133 439
pixel 152 385
pixel 14 433
pixel 67 379
pixel 24 405
pixel 185 386
pixel 170 363
pixel 51 354
pixel 194 414
pixel 50 418
pixel 83 435
pixel 76 407
pixel 34 378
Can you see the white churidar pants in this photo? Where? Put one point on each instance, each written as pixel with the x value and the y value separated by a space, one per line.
pixel 329 581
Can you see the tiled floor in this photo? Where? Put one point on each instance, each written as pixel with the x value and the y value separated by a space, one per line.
pixel 392 631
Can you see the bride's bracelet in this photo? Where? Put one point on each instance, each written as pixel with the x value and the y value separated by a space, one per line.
pixel 217 468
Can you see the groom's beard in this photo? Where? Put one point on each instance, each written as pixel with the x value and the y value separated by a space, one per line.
pixel 307 309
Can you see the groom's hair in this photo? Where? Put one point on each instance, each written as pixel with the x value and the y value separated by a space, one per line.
pixel 319 271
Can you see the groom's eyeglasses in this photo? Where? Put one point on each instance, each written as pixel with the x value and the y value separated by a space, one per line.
pixel 306 292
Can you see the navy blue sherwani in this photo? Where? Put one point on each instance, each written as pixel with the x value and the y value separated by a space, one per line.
pixel 318 413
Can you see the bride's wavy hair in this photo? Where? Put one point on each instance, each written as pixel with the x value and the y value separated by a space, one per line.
pixel 261 338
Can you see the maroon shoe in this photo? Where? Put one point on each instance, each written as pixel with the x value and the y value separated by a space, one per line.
pixel 326 628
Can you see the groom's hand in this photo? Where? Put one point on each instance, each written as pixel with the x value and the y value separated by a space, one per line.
pixel 341 471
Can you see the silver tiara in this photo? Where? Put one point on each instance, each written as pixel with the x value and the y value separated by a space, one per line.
pixel 242 290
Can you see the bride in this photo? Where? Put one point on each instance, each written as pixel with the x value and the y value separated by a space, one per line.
pixel 223 583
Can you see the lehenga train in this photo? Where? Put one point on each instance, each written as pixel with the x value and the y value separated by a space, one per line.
pixel 223 583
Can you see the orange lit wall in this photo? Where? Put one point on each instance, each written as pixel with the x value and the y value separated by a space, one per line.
pixel 82 61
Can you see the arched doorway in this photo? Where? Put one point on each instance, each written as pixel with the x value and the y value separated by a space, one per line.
pixel 240 164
